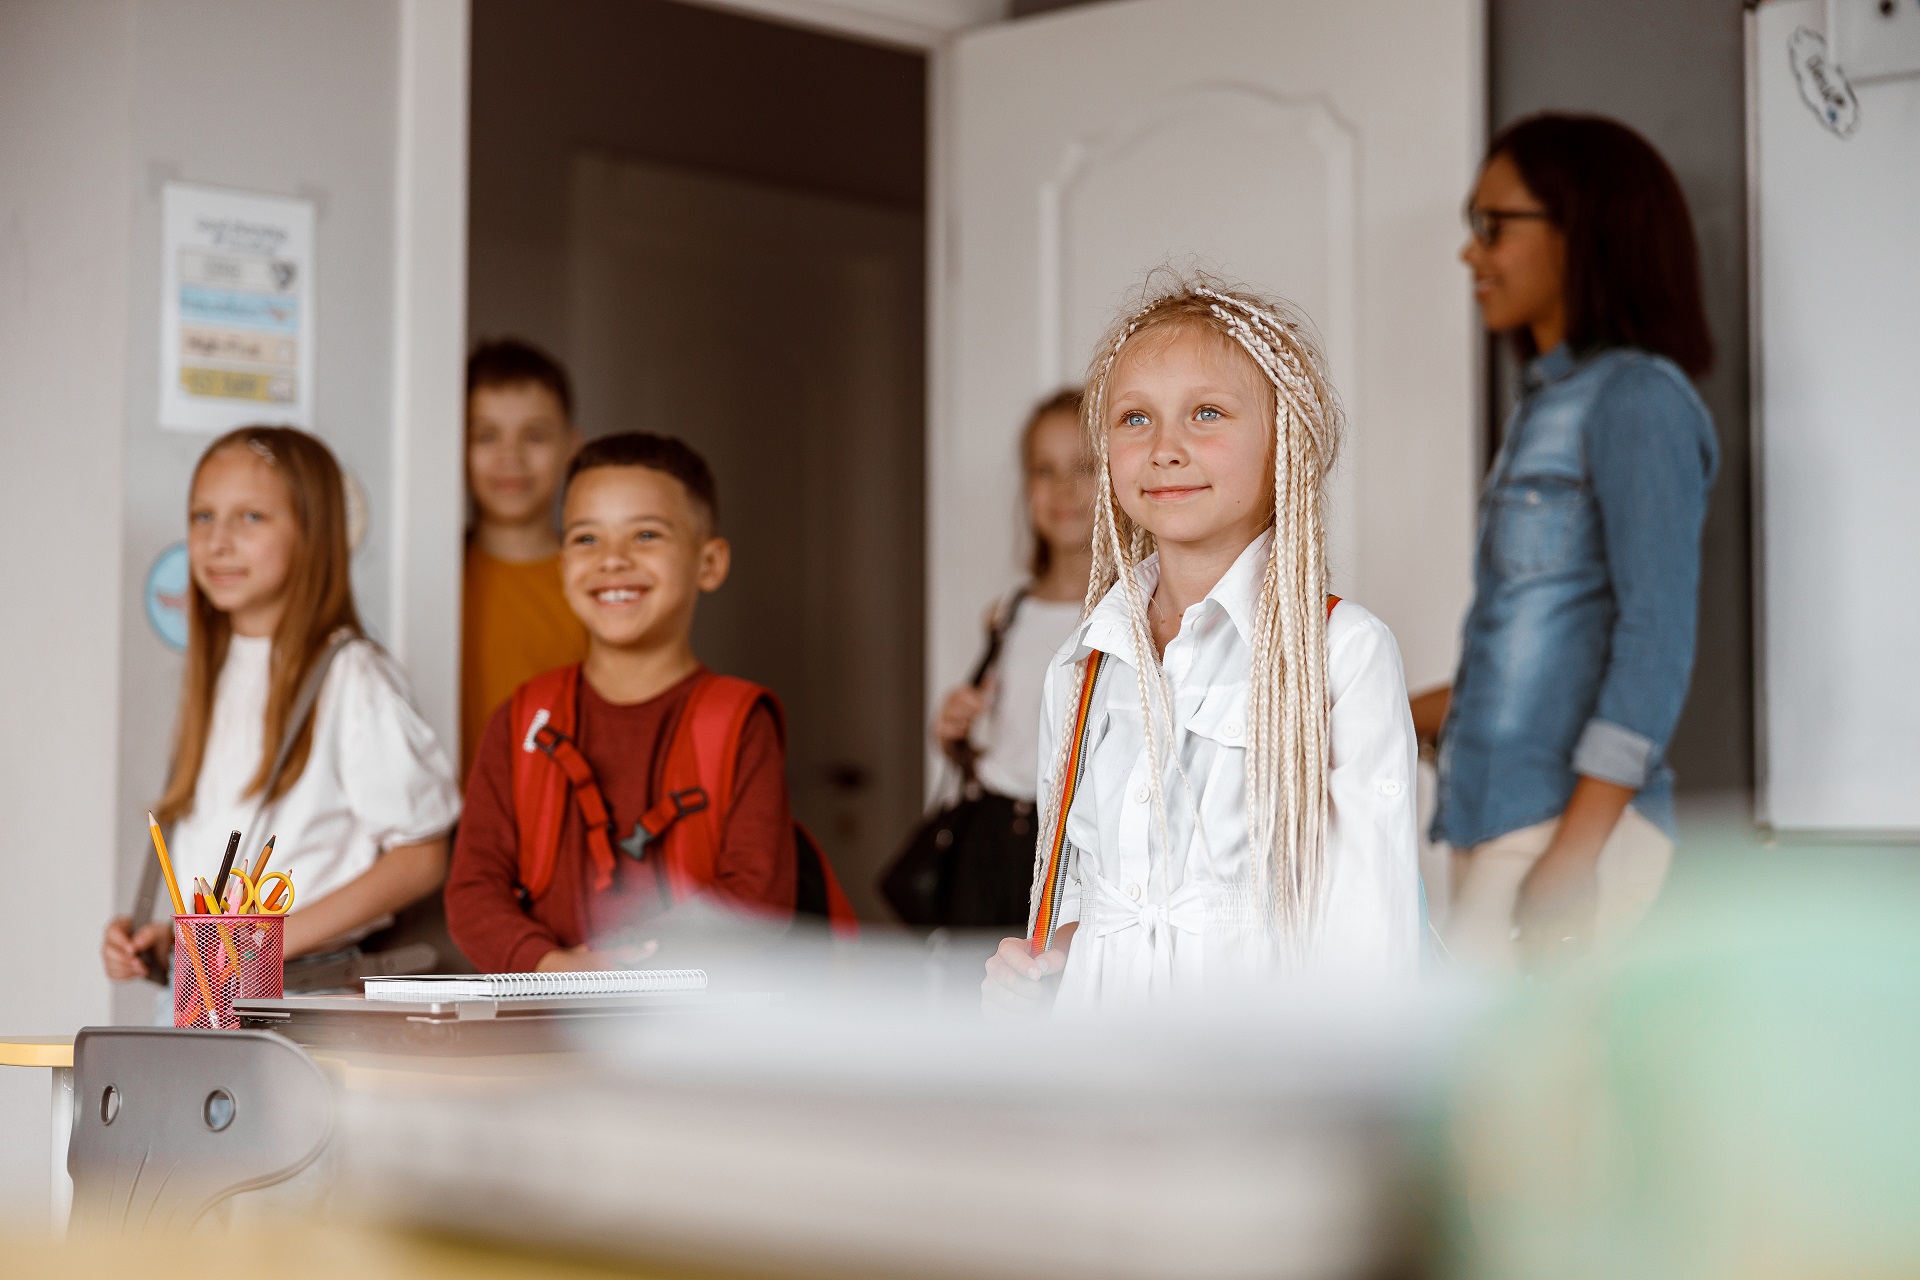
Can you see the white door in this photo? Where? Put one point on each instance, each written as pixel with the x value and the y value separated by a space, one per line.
pixel 1320 149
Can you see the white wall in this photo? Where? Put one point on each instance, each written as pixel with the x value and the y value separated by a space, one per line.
pixel 65 99
pixel 315 119
pixel 360 108
pixel 317 114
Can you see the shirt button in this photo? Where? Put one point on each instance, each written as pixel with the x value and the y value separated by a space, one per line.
pixel 1133 891
pixel 1140 794
pixel 1390 788
pixel 1230 732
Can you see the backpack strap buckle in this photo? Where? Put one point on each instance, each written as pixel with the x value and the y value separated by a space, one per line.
pixel 543 737
pixel 657 821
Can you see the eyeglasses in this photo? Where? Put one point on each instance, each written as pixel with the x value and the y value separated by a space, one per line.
pixel 1485 224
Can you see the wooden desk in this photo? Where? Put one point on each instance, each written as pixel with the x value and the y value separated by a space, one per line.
pixel 55 1055
pixel 315 1251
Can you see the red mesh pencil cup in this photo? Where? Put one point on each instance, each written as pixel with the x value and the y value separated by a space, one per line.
pixel 220 959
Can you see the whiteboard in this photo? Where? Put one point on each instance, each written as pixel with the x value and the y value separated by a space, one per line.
pixel 1834 174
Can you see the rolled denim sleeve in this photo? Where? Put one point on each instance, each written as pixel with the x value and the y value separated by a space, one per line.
pixel 1652 456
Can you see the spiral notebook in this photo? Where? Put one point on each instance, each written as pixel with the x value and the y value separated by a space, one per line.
pixel 511 986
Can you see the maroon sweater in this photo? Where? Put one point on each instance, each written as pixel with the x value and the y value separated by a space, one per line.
pixel 625 745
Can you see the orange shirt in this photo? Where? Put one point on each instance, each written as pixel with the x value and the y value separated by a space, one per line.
pixel 516 625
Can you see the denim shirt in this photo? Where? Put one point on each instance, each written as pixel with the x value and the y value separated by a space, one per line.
pixel 1578 647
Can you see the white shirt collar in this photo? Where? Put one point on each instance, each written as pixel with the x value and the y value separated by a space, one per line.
pixel 1237 593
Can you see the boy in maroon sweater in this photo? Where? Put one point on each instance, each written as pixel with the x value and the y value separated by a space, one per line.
pixel 638 547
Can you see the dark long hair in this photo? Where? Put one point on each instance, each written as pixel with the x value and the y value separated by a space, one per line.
pixel 1633 266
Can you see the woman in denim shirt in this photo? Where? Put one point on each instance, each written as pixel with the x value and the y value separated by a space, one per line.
pixel 1554 790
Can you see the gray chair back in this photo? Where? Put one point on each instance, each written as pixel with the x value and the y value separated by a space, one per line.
pixel 169 1123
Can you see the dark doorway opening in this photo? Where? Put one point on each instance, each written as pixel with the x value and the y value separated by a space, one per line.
pixel 718 223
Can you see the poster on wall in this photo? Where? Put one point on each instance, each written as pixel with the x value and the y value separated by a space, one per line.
pixel 236 311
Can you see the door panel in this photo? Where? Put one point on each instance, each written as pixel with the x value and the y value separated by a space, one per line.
pixel 1317 149
pixel 1128 201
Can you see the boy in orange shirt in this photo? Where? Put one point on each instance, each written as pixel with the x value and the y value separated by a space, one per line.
pixel 516 622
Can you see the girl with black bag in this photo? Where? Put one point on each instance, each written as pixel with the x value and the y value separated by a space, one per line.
pixel 970 864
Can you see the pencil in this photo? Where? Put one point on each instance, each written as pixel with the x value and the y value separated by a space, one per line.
pixel 166 866
pixel 266 855
pixel 226 865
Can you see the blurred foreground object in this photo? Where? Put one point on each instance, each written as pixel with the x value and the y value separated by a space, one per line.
pixel 850 1133
pixel 1731 1096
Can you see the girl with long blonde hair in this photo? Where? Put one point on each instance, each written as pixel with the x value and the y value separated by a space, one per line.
pixel 365 798
pixel 1235 743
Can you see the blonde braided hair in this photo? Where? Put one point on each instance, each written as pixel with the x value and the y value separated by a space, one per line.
pixel 1287 747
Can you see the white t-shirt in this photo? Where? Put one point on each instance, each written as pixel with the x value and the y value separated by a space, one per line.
pixel 376 777
pixel 1153 924
pixel 1009 740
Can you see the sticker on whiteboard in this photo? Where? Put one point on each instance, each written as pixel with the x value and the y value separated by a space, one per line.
pixel 1823 85
pixel 236 310
pixel 167 597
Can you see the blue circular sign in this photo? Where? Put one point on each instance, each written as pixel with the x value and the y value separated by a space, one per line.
pixel 167 597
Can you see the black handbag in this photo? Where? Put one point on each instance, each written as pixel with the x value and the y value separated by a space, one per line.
pixel 969 864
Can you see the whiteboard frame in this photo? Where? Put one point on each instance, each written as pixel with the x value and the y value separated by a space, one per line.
pixel 1756 428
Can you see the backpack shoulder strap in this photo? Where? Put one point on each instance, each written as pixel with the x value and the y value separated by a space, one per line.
pixel 698 779
pixel 1055 853
pixel 544 712
pixel 1332 601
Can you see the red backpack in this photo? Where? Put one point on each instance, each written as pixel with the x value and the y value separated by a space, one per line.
pixel 683 827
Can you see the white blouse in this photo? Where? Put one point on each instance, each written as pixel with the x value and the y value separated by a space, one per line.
pixel 1007 764
pixel 1154 924
pixel 376 777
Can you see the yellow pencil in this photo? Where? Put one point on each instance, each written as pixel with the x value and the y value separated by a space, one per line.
pixel 166 866
pixel 180 909
pixel 266 854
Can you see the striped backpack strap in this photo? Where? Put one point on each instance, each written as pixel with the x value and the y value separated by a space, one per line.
pixel 1053 884
pixel 1331 602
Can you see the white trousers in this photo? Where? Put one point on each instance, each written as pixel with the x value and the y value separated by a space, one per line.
pixel 1486 886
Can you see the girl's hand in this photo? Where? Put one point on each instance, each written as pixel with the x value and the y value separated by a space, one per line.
pixel 958 713
pixel 120 949
pixel 1019 984
pixel 582 959
pixel 1555 911
pixel 1556 908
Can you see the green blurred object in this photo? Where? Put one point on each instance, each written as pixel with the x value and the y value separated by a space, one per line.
pixel 1734 1094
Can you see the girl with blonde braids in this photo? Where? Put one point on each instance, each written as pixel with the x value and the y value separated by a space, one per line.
pixel 1245 806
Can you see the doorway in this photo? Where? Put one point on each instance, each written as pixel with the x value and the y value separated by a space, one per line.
pixel 718 224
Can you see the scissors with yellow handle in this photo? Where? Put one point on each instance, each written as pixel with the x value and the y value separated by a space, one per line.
pixel 259 897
